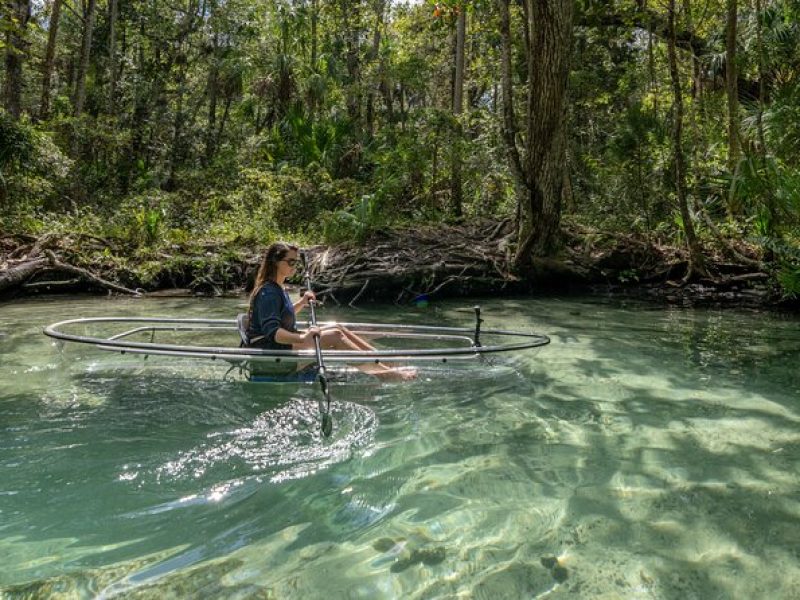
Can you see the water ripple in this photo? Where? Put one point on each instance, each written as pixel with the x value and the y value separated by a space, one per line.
pixel 280 444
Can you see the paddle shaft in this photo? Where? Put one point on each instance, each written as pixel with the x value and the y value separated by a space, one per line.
pixel 323 377
pixel 317 347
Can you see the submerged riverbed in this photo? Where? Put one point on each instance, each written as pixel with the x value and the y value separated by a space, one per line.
pixel 645 453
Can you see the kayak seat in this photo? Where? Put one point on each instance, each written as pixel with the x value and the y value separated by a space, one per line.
pixel 242 325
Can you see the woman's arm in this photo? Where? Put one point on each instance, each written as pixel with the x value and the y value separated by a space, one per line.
pixel 266 313
pixel 303 301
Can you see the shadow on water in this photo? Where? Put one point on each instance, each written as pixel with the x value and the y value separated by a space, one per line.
pixel 678 472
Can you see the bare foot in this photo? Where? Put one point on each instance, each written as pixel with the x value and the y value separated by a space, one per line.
pixel 398 374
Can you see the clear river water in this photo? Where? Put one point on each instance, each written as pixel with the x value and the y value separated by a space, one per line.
pixel 647 452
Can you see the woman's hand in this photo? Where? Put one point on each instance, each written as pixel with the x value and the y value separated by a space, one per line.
pixel 310 333
pixel 308 297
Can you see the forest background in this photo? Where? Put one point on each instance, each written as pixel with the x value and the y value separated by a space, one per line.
pixel 148 138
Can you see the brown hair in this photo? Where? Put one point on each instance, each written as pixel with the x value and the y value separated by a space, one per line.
pixel 269 265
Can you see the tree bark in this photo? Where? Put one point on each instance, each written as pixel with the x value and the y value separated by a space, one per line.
pixel 312 97
pixel 112 55
pixel 731 87
pixel 386 92
pixel 458 79
pixel 49 58
pixel 697 139
pixel 761 77
pixel 651 70
pixel 509 125
pixel 374 54
pixel 16 50
pixel 85 273
pixel 83 62
pixel 314 41
pixel 352 34
pixel 141 110
pixel 177 154
pixel 696 259
pixel 403 112
pixel 213 93
pixel 225 112
pixel 15 276
pixel 456 192
pixel 540 170
pixel 772 205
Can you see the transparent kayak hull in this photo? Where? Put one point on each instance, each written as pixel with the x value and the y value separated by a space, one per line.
pixel 217 339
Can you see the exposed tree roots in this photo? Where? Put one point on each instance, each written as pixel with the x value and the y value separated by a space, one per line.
pixel 403 265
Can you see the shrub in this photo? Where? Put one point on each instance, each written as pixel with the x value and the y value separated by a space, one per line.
pixel 33 172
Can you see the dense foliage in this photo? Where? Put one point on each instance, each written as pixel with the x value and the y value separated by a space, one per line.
pixel 210 121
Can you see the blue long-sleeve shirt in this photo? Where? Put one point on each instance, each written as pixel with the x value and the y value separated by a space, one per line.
pixel 272 308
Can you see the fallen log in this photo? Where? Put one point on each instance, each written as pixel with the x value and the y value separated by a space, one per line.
pixel 24 275
pixel 749 277
pixel 17 275
pixel 62 266
pixel 52 283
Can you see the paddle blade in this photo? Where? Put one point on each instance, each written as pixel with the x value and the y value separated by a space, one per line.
pixel 327 425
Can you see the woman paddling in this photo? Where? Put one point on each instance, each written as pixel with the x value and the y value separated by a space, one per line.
pixel 273 322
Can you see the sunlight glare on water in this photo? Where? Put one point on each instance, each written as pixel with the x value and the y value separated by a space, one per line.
pixel 647 452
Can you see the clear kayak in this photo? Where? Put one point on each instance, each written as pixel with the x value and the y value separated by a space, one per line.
pixel 220 339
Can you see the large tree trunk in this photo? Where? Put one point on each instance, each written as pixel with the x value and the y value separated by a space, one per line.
pixel 761 77
pixel 651 69
pixel 15 276
pixel 141 113
pixel 696 135
pixel 314 41
pixel 49 58
pixel 213 94
pixel 731 87
pixel 772 207
pixel 112 55
pixel 696 260
pixel 83 62
pixel 509 124
pixel 15 54
pixel 177 154
pixel 352 34
pixel 458 78
pixel 312 98
pixel 225 111
pixel 539 172
pixel 456 192
pixel 373 57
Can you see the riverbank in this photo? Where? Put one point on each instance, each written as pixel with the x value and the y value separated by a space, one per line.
pixel 399 265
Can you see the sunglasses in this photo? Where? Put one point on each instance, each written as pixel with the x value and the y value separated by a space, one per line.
pixel 292 262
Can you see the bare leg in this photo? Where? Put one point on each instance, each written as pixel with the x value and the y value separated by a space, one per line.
pixel 358 341
pixel 362 344
pixel 340 338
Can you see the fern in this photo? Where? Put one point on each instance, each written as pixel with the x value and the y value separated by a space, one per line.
pixel 789 279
